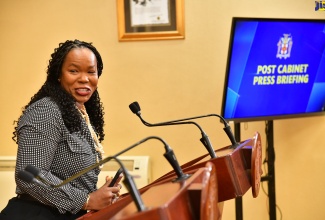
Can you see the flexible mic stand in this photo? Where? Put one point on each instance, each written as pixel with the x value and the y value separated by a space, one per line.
pixel 32 174
pixel 135 108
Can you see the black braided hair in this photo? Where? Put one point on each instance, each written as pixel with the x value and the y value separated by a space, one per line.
pixel 52 88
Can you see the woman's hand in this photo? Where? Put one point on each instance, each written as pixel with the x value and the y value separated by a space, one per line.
pixel 104 196
pixel 116 184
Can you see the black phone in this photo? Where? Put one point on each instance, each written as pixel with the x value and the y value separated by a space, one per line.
pixel 117 175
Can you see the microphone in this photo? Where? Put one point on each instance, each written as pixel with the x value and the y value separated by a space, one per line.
pixel 131 187
pixel 135 108
pixel 169 155
pixel 36 174
pixel 33 170
pixel 29 178
pixel 31 174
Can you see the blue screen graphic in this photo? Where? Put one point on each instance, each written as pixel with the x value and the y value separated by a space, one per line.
pixel 276 68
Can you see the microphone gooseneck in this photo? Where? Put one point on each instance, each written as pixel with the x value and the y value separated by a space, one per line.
pixel 131 186
pixel 31 174
pixel 169 155
pixel 37 177
pixel 135 108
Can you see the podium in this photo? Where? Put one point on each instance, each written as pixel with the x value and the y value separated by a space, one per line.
pixel 213 180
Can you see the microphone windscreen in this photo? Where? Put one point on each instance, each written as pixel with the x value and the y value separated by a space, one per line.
pixel 138 106
pixel 24 175
pixel 135 107
pixel 33 170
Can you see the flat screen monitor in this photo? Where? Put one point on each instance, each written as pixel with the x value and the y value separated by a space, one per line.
pixel 275 69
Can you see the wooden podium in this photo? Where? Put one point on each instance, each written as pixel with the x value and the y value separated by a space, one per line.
pixel 212 181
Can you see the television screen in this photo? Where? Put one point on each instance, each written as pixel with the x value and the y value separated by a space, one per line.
pixel 275 69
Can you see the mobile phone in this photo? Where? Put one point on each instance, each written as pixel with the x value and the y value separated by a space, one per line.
pixel 117 175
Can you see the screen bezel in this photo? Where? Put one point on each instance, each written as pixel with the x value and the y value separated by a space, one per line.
pixel 226 81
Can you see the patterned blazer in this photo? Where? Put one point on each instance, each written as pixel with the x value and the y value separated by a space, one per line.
pixel 45 142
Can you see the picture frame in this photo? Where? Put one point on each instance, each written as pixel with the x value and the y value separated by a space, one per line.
pixel 140 20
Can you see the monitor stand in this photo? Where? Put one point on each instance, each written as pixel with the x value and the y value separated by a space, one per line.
pixel 269 177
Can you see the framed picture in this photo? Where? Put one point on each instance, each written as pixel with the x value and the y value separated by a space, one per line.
pixel 150 19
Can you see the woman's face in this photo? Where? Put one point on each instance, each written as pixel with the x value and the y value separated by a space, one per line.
pixel 79 75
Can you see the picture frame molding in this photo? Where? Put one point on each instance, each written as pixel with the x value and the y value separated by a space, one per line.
pixel 171 32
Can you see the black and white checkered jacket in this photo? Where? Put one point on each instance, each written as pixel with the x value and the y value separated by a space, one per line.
pixel 45 142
